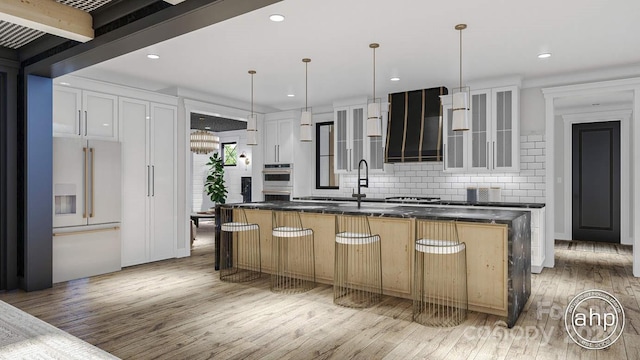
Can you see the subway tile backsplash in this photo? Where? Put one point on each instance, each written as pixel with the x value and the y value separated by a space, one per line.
pixel 428 179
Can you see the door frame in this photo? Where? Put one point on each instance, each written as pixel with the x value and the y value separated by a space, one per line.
pixel 624 117
pixel 595 88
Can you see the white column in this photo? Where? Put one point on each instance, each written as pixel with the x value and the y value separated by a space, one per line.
pixel 549 237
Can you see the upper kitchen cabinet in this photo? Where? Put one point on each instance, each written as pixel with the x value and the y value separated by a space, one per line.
pixel 82 113
pixel 492 142
pixel 278 141
pixel 352 144
pixel 349 137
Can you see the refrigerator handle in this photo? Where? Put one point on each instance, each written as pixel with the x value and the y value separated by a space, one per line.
pixel 93 175
pixel 148 179
pixel 79 122
pixel 84 183
pixel 153 180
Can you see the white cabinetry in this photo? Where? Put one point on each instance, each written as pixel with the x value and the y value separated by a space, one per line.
pixel 349 137
pixel 351 142
pixel 279 141
pixel 148 166
pixel 492 142
pixel 82 113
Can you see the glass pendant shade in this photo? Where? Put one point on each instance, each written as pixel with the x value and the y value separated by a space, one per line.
pixel 252 122
pixel 306 132
pixel 204 142
pixel 305 118
pixel 252 137
pixel 460 120
pixel 374 122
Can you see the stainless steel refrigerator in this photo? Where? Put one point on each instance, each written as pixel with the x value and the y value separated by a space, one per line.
pixel 86 208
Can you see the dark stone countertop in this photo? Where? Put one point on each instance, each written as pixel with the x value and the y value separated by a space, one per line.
pixel 426 202
pixel 389 210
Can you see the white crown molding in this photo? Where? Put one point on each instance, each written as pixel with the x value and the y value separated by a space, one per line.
pixel 571 79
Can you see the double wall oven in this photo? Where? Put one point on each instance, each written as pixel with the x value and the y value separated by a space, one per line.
pixel 277 182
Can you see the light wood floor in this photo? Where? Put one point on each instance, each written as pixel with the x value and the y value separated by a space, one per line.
pixel 178 309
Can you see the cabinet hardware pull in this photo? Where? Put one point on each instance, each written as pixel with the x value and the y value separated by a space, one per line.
pixel 87 231
pixel 148 180
pixel 86 122
pixel 79 122
pixel 153 181
pixel 86 194
pixel 93 176
pixel 275 153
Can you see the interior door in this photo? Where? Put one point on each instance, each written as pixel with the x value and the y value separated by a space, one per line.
pixel 596 181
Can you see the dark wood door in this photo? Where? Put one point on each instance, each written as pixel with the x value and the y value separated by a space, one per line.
pixel 596 181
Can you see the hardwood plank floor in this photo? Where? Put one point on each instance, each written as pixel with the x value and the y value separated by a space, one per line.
pixel 179 309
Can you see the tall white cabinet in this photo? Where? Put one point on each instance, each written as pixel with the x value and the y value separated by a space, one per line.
pixel 148 165
pixel 492 142
pixel 278 148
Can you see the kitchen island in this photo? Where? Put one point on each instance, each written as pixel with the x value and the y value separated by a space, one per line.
pixel 498 246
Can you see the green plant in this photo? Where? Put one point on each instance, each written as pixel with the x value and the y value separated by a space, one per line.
pixel 214 185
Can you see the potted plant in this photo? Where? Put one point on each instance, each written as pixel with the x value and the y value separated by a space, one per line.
pixel 214 185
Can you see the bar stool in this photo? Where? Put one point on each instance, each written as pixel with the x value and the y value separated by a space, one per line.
pixel 440 275
pixel 357 275
pixel 294 268
pixel 239 247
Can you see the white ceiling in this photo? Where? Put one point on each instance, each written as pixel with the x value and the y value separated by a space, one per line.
pixel 417 40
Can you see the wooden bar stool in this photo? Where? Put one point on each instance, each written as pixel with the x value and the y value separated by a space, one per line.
pixel 294 268
pixel 239 247
pixel 440 275
pixel 357 276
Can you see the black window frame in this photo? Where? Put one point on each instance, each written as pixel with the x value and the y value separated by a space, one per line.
pixel 318 186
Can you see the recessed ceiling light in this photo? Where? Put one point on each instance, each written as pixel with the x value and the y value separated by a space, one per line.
pixel 395 78
pixel 291 95
pixel 544 55
pixel 65 83
pixel 105 124
pixel 153 56
pixel 276 17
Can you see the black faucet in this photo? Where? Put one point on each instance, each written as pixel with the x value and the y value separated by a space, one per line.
pixel 360 183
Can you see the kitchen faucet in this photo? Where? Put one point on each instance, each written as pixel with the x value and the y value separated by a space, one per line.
pixel 360 183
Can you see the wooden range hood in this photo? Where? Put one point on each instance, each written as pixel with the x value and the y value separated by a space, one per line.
pixel 414 131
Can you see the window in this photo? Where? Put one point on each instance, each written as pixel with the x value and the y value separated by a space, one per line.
pixel 229 154
pixel 325 177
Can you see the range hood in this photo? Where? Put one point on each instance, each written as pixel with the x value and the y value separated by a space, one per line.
pixel 414 131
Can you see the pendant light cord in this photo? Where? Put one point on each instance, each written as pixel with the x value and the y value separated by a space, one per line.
pixel 460 58
pixel 306 85
pixel 374 74
pixel 251 94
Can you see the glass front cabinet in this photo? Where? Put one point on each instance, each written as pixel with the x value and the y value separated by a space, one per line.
pixel 492 142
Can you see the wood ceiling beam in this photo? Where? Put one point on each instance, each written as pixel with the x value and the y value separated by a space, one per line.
pixel 49 16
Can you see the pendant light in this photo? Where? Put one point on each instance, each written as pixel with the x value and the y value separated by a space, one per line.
pixel 374 126
pixel 460 96
pixel 306 124
pixel 252 120
pixel 203 141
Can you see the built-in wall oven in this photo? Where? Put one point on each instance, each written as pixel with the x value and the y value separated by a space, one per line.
pixel 277 182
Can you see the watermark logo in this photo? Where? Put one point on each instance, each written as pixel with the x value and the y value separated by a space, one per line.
pixel 594 319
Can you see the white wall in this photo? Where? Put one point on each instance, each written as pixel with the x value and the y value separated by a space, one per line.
pixel 531 111
pixel 232 174
pixel 428 179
